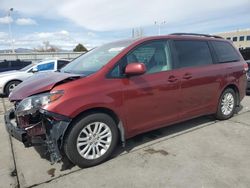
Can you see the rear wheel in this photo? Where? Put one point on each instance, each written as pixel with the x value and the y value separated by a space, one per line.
pixel 226 106
pixel 10 86
pixel 91 140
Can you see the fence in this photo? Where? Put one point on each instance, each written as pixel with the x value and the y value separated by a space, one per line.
pixel 37 56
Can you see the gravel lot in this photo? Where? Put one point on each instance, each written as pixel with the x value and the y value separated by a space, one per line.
pixel 197 153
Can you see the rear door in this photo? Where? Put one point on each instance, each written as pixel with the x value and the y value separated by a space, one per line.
pixel 233 64
pixel 200 79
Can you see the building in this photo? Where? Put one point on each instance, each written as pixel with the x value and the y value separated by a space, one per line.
pixel 240 38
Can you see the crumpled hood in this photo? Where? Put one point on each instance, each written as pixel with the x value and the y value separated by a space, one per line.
pixel 40 82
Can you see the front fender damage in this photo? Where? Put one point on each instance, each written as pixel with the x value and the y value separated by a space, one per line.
pixel 42 128
pixel 54 140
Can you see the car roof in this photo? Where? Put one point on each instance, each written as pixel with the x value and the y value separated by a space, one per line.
pixel 184 36
pixel 192 36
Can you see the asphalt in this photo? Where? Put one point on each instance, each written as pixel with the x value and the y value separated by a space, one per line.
pixel 199 153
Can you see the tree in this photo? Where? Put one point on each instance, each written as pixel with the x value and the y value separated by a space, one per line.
pixel 80 48
pixel 47 47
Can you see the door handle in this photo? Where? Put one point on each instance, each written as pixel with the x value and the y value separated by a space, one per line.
pixel 172 79
pixel 187 76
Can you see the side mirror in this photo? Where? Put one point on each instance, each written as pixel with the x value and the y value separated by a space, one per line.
pixel 34 70
pixel 135 69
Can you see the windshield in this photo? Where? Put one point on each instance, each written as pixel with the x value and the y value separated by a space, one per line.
pixel 27 67
pixel 95 59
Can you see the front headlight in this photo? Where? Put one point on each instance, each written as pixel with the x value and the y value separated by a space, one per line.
pixel 31 104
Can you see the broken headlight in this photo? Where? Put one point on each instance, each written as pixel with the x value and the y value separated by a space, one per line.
pixel 31 104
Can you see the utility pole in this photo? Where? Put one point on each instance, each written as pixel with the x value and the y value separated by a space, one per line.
pixel 159 24
pixel 10 32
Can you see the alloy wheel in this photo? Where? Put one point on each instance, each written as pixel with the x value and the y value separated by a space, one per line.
pixel 227 104
pixel 94 140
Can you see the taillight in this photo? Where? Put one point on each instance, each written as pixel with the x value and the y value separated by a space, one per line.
pixel 245 67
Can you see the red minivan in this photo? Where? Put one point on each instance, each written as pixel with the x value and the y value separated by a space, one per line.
pixel 125 88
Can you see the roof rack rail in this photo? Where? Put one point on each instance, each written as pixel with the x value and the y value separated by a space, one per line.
pixel 198 34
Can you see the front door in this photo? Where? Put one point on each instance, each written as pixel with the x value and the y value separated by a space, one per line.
pixel 151 100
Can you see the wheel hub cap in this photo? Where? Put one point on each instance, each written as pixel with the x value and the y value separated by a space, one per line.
pixel 94 140
pixel 11 87
pixel 227 104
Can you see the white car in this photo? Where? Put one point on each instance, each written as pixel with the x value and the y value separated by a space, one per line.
pixel 10 79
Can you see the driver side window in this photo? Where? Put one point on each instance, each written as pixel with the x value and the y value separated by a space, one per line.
pixel 155 55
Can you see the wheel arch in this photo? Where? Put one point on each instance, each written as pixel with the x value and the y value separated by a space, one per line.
pixel 9 82
pixel 236 90
pixel 104 110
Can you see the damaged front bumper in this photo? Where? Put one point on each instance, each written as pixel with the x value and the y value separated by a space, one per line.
pixel 45 128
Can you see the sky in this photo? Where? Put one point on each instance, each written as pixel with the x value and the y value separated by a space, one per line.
pixel 66 23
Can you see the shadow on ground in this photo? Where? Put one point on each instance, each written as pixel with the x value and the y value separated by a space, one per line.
pixel 141 139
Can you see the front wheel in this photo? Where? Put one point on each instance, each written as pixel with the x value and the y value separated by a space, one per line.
pixel 91 140
pixel 10 86
pixel 226 106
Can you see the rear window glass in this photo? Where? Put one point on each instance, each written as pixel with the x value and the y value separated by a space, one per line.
pixel 192 53
pixel 225 52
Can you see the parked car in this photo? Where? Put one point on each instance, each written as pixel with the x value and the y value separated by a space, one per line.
pixel 13 65
pixel 248 77
pixel 10 79
pixel 125 88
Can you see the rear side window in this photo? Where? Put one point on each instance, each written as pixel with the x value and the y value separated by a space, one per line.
pixel 4 64
pixel 25 63
pixel 46 66
pixel 16 64
pixel 192 53
pixel 225 52
pixel 61 64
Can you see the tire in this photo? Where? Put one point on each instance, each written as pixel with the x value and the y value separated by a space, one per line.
pixel 80 139
pixel 10 86
pixel 227 104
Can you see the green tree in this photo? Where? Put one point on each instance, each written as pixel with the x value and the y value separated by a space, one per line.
pixel 80 48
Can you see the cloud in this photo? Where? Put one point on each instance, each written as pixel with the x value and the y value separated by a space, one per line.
pixel 44 8
pixel 3 35
pixel 25 21
pixel 63 32
pixel 91 34
pixel 6 20
pixel 61 39
pixel 109 15
pixel 4 40
pixel 103 21
pixel 115 15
